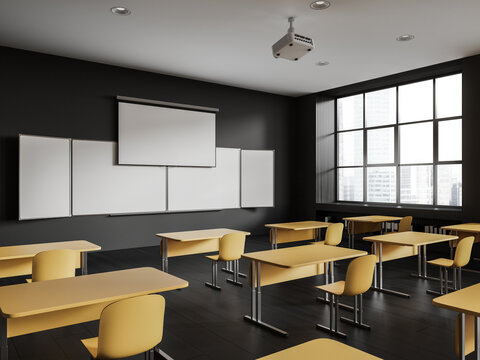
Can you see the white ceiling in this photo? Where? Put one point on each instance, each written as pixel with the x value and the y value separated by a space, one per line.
pixel 229 42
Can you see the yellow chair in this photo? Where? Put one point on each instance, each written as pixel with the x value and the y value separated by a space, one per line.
pixel 358 280
pixel 461 259
pixel 405 224
pixel 230 248
pixel 128 327
pixel 53 264
pixel 333 235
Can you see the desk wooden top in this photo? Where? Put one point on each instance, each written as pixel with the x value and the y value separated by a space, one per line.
pixel 53 295
pixel 197 235
pixel 298 256
pixel 30 250
pixel 410 238
pixel 469 227
pixel 465 300
pixel 321 349
pixel 373 218
pixel 299 225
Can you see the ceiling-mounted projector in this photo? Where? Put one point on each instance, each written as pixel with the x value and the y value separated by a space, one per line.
pixel 292 46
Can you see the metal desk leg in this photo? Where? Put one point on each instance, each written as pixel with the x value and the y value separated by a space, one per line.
pixel 462 336
pixel 422 265
pixel 275 238
pixel 256 308
pixel 477 337
pixel 353 234
pixel 380 287
pixel 375 268
pixel 3 339
pixel 163 245
pixel 84 263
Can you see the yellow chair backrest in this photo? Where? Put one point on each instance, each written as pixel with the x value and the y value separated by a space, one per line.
pixel 405 224
pixel 54 264
pixel 231 246
pixel 334 234
pixel 469 335
pixel 463 252
pixel 130 326
pixel 359 275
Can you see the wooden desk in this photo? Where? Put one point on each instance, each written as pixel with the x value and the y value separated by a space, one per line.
pixel 17 260
pixel 465 302
pixel 295 231
pixel 276 266
pixel 191 242
pixel 462 230
pixel 369 219
pixel 44 305
pixel 406 238
pixel 321 349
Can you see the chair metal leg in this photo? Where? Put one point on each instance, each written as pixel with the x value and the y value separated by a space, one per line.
pixel 446 280
pixel 459 278
pixel 213 284
pixel 160 354
pixel 357 319
pixel 333 329
pixel 234 279
pixel 443 284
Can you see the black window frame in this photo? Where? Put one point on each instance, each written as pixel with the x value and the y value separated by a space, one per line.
pixel 396 163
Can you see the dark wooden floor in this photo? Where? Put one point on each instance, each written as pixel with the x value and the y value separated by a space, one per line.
pixel 201 323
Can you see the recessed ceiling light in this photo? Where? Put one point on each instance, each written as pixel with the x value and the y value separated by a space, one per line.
pixel 320 5
pixel 323 63
pixel 406 37
pixel 120 10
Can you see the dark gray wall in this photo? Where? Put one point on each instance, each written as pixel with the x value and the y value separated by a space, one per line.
pixel 55 96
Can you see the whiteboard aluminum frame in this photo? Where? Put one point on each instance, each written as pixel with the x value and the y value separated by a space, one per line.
pixel 70 176
pixel 273 187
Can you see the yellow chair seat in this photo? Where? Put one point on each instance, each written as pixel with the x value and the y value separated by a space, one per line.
pixel 441 262
pixel 92 346
pixel 213 257
pixel 336 288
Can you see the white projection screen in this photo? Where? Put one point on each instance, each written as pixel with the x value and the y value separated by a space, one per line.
pixel 100 186
pixel 44 177
pixel 258 178
pixel 195 189
pixel 162 136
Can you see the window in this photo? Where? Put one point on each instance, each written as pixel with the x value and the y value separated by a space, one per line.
pixel 402 145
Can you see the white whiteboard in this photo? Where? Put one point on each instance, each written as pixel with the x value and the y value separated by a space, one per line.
pixel 258 178
pixel 102 187
pixel 153 135
pixel 206 188
pixel 44 177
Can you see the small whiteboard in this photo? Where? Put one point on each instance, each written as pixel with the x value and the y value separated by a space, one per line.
pixel 44 177
pixel 154 135
pixel 206 188
pixel 258 178
pixel 102 187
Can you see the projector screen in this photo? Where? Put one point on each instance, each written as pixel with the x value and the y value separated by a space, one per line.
pixel 154 135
